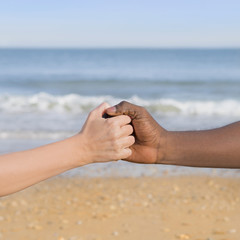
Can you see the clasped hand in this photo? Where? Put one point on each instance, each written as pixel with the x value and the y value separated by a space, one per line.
pixel 131 134
pixel 152 143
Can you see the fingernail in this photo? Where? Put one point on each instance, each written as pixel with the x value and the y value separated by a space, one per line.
pixel 111 110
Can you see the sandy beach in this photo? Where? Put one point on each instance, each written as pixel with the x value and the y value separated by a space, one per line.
pixel 183 207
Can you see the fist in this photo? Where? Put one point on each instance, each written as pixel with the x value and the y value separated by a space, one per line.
pixel 150 137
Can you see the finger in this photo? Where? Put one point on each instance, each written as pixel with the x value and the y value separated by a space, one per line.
pixel 125 153
pixel 126 130
pixel 126 142
pixel 120 120
pixel 123 108
pixel 100 110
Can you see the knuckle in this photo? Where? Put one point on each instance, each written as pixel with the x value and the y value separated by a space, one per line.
pixel 123 103
pixel 142 109
pixel 113 124
pixel 122 106
pixel 114 135
pixel 108 121
pixel 105 104
pixel 91 114
pixel 115 146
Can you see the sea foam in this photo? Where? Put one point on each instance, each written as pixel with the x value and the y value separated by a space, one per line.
pixel 74 104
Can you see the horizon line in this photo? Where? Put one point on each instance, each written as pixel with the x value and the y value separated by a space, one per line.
pixel 119 47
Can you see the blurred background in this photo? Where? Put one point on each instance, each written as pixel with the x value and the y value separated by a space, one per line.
pixel 60 59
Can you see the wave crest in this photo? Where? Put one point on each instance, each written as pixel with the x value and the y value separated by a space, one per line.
pixel 73 103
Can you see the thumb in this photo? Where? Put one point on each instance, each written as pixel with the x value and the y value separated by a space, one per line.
pixel 123 108
pixel 100 110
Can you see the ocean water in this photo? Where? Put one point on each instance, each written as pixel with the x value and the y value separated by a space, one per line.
pixel 46 94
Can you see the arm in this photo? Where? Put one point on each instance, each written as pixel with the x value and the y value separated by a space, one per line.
pixel 100 140
pixel 213 148
pixel 22 169
pixel 218 148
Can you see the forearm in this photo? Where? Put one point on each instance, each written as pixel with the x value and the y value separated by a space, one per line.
pixel 212 148
pixel 23 169
pixel 100 140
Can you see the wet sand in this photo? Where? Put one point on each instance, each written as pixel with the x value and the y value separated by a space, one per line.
pixel 187 207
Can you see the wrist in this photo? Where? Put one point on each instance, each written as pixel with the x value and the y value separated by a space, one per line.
pixel 181 147
pixel 168 148
pixel 81 150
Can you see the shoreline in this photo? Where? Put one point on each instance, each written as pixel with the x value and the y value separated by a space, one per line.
pixel 169 207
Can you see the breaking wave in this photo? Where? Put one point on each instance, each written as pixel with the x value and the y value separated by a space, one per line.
pixel 73 103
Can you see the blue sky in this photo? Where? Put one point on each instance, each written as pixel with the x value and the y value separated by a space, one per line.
pixel 120 23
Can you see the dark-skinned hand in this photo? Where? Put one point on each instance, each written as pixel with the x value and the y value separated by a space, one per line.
pixel 149 135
